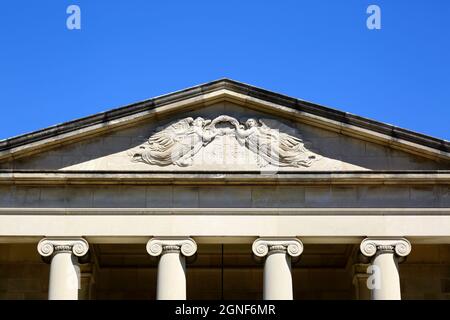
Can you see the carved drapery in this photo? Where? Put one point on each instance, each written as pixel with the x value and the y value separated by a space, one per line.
pixel 180 141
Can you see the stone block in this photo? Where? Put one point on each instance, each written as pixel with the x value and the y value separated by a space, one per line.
pixel 46 161
pixel 185 197
pixel 159 197
pixel 343 196
pixel 79 197
pixel 423 254
pixel 265 197
pixel 24 253
pixel 243 280
pixel 291 196
pixel 71 160
pixel 352 148
pixel 53 197
pixel 328 147
pixel 22 285
pixel 384 196
pixel 6 196
pixel 27 196
pixel 113 144
pixel 225 197
pixel 424 196
pixel 318 196
pixel 444 196
pixel 123 197
pixel 445 285
pixel 7 165
pixel 204 283
pixel 89 148
pixel 309 132
pixel 376 150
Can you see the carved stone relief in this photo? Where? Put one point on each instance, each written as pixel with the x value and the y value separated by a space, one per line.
pixel 178 143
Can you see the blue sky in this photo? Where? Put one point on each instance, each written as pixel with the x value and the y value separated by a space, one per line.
pixel 320 51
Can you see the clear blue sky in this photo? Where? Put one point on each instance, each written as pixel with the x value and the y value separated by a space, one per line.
pixel 320 51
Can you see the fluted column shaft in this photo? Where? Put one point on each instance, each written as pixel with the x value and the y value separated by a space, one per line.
pixel 171 278
pixel 384 280
pixel 277 266
pixel 64 280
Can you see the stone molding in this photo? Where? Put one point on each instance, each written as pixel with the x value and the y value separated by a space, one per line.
pixel 157 246
pixel 77 246
pixel 263 246
pixel 8 177
pixel 235 211
pixel 371 246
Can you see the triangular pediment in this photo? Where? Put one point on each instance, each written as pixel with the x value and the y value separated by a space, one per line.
pixel 224 126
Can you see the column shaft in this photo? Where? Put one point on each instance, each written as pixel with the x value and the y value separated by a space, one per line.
pixel 386 265
pixel 278 277
pixel 64 277
pixel 171 283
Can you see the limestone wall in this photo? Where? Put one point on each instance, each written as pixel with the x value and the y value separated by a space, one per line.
pixel 163 196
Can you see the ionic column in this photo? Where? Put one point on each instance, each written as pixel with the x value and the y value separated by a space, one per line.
pixel 277 266
pixel 384 280
pixel 64 269
pixel 171 279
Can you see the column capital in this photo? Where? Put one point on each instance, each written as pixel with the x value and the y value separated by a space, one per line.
pixel 262 246
pixel 160 245
pixel 370 246
pixel 77 246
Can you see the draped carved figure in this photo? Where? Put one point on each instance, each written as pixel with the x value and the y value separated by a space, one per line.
pixel 179 142
pixel 176 144
pixel 272 146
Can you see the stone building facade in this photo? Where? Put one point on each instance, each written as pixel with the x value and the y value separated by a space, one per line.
pixel 224 191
